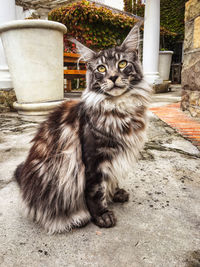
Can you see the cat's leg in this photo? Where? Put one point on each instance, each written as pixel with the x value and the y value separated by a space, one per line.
pixel 120 195
pixel 97 205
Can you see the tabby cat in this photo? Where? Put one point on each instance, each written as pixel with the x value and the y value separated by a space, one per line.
pixel 70 174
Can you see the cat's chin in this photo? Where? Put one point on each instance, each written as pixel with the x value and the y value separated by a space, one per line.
pixel 116 91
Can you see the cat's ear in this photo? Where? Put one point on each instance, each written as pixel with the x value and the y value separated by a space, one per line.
pixel 86 53
pixel 132 40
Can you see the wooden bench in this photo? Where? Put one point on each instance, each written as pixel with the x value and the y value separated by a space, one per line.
pixel 70 61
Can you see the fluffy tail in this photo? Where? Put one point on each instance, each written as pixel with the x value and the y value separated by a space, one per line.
pixel 17 173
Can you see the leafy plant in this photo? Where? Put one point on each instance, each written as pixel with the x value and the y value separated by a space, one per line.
pixel 96 27
pixel 164 49
pixel 171 19
pixel 134 6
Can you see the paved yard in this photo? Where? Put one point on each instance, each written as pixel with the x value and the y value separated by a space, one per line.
pixel 159 226
pixel 182 122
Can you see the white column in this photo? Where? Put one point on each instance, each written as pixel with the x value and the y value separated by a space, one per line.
pixel 7 13
pixel 151 42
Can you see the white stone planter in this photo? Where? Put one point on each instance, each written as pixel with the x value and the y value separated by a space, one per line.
pixel 165 59
pixel 34 51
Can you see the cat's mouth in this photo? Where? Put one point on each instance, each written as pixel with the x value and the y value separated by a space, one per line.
pixel 116 91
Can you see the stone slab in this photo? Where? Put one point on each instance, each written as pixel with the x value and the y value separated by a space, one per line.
pixel 188 39
pixel 191 72
pixel 161 88
pixel 196 35
pixel 192 9
pixel 191 64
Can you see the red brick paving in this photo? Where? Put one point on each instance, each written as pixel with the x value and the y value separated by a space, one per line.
pixel 176 118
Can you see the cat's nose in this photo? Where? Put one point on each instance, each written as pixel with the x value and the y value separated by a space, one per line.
pixel 113 78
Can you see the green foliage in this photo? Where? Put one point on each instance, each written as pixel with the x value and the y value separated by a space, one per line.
pixel 96 27
pixel 128 6
pixel 138 8
pixel 171 18
pixel 134 6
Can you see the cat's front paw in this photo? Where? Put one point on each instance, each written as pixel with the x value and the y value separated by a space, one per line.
pixel 106 220
pixel 121 196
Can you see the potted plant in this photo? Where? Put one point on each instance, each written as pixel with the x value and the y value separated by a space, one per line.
pixel 34 51
pixel 165 59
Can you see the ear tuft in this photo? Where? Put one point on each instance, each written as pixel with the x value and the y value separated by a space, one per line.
pixel 86 53
pixel 132 40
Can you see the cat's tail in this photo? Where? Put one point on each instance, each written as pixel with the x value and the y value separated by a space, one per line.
pixel 17 173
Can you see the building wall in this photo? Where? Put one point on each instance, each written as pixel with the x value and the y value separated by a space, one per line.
pixel 22 14
pixel 119 4
pixel 191 62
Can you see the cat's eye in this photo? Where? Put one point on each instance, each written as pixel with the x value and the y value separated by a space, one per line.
pixel 101 68
pixel 122 64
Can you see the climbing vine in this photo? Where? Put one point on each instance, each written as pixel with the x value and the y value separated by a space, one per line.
pixel 134 6
pixel 97 27
pixel 171 16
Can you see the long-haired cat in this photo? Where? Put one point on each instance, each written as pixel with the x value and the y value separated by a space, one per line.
pixel 80 151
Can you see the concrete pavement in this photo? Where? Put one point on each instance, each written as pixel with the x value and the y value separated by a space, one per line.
pixel 159 226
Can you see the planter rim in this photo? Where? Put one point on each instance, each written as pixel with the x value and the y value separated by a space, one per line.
pixel 32 23
pixel 166 52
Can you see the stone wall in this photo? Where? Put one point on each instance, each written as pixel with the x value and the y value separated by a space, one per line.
pixel 191 63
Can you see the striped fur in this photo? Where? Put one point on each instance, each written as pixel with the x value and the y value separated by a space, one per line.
pixel 83 148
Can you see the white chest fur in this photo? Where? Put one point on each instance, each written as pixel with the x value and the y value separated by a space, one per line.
pixel 123 160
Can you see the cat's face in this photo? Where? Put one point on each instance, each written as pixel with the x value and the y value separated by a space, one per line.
pixel 114 71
